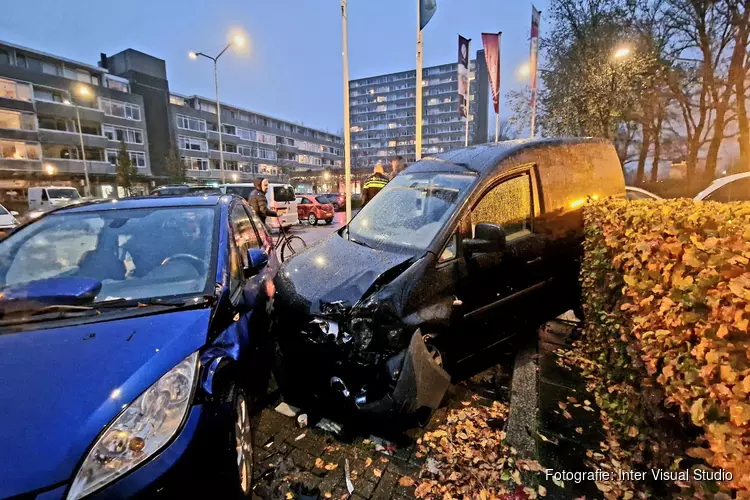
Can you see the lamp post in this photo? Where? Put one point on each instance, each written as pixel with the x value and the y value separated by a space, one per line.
pixel 238 41
pixel 83 92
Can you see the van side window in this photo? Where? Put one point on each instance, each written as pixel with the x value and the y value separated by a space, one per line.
pixel 44 195
pixel 509 205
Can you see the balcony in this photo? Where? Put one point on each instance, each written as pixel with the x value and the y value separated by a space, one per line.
pixel 49 136
pixel 68 111
pixel 215 174
pixel 62 165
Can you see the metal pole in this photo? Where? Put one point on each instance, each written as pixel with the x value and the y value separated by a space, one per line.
pixel 533 113
pixel 87 186
pixel 497 127
pixel 218 114
pixel 347 124
pixel 497 115
pixel 418 135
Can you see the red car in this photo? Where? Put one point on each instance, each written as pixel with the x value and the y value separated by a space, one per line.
pixel 312 208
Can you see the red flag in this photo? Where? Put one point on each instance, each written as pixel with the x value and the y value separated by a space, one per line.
pixel 491 42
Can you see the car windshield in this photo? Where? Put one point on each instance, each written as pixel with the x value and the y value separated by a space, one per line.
pixel 322 200
pixel 63 193
pixel 283 193
pixel 117 248
pixel 410 210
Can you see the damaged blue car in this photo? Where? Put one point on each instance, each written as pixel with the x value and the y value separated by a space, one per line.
pixel 131 332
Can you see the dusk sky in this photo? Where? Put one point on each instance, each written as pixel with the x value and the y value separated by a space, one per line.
pixel 292 67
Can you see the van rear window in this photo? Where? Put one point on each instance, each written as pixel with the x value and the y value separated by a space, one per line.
pixel 243 191
pixel 283 193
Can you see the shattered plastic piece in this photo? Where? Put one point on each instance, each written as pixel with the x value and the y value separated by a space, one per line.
pixel 337 382
pixel 269 443
pixel 302 421
pixel 287 410
pixel 300 436
pixel 329 426
pixel 347 475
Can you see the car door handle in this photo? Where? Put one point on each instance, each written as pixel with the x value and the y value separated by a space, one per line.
pixel 534 261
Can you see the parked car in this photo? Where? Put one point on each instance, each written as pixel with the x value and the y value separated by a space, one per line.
pixel 46 197
pixel 184 189
pixel 734 187
pixel 338 200
pixel 134 327
pixel 634 193
pixel 456 253
pixel 8 221
pixel 314 207
pixel 281 198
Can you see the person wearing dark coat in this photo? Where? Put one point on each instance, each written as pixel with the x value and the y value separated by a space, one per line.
pixel 258 200
pixel 374 184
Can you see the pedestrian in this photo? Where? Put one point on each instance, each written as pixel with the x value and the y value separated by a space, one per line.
pixel 258 200
pixel 374 184
pixel 398 164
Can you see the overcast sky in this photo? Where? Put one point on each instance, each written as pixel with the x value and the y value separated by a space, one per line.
pixel 292 68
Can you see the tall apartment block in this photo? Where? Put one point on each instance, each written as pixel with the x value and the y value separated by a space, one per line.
pixel 383 113
pixel 42 98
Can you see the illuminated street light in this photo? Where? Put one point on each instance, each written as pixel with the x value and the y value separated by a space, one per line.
pixel 84 92
pixel 326 175
pixel 525 70
pixel 50 169
pixel 237 41
pixel 621 52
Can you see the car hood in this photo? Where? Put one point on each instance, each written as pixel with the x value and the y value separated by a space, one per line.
pixel 7 220
pixel 336 270
pixel 61 387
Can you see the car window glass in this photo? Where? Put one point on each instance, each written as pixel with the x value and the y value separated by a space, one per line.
pixel 44 195
pixel 637 195
pixel 738 190
pixel 450 251
pixel 322 200
pixel 244 233
pixel 509 205
pixel 260 228
pixel 283 193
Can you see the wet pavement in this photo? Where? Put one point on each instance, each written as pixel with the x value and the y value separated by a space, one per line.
pixel 293 463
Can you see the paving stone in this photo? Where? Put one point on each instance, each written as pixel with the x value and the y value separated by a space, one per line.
pixel 385 486
pixel 302 459
pixel 331 481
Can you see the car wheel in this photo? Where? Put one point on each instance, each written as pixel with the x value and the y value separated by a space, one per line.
pixel 243 442
pixel 312 219
pixel 328 221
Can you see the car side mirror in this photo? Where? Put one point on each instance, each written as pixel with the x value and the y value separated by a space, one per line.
pixel 257 259
pixel 14 213
pixel 488 238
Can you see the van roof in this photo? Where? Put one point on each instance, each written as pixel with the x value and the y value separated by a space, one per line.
pixel 53 187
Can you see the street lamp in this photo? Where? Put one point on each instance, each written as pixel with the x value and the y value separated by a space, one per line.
pixel 50 169
pixel 85 93
pixel 621 53
pixel 525 70
pixel 238 41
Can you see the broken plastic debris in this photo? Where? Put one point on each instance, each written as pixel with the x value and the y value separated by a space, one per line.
pixel 347 475
pixel 300 437
pixel 329 426
pixel 287 410
pixel 269 443
pixel 302 421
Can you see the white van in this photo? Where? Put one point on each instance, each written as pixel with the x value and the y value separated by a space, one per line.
pixel 281 198
pixel 46 197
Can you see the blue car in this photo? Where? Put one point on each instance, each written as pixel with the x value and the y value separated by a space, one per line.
pixel 130 334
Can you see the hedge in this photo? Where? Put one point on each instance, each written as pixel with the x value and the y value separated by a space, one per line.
pixel 666 291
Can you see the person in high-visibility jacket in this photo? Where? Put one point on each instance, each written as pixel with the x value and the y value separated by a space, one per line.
pixel 374 184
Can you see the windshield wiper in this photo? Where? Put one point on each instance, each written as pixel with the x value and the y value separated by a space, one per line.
pixel 154 301
pixel 358 242
pixel 48 313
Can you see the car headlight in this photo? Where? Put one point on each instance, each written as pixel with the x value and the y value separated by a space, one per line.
pixel 141 430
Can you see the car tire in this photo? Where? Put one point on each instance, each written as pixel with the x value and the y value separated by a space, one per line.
pixel 312 219
pixel 242 442
pixel 328 221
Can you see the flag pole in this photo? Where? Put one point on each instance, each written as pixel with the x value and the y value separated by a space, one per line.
pixel 497 115
pixel 418 135
pixel 347 125
pixel 468 94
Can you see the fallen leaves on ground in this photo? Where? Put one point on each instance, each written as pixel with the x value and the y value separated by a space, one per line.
pixel 331 466
pixel 377 472
pixel 319 463
pixel 406 481
pixel 466 458
pixel 368 462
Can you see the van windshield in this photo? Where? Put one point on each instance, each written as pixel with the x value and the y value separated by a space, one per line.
pixel 283 193
pixel 63 193
pixel 410 210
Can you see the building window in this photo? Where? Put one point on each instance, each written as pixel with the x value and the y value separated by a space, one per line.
pixel 117 85
pixel 51 68
pixel 4 57
pixel 59 124
pixel 188 123
pixel 195 163
pixel 15 120
pixel 245 150
pixel 176 100
pixel 118 109
pixel 137 158
pixel 193 143
pixel 17 150
pixel 49 95
pixel 230 148
pixel 248 135
pixel 266 138
pixel 123 134
pixel 267 154
pixel 229 129
pixel 11 89
pixel 207 106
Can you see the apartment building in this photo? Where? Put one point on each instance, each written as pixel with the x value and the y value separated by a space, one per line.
pixel 43 98
pixel 253 144
pixel 383 113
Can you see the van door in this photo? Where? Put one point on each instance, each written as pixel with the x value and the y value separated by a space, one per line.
pixel 45 203
pixel 502 290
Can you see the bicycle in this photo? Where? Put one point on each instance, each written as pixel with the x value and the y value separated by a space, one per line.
pixel 289 245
